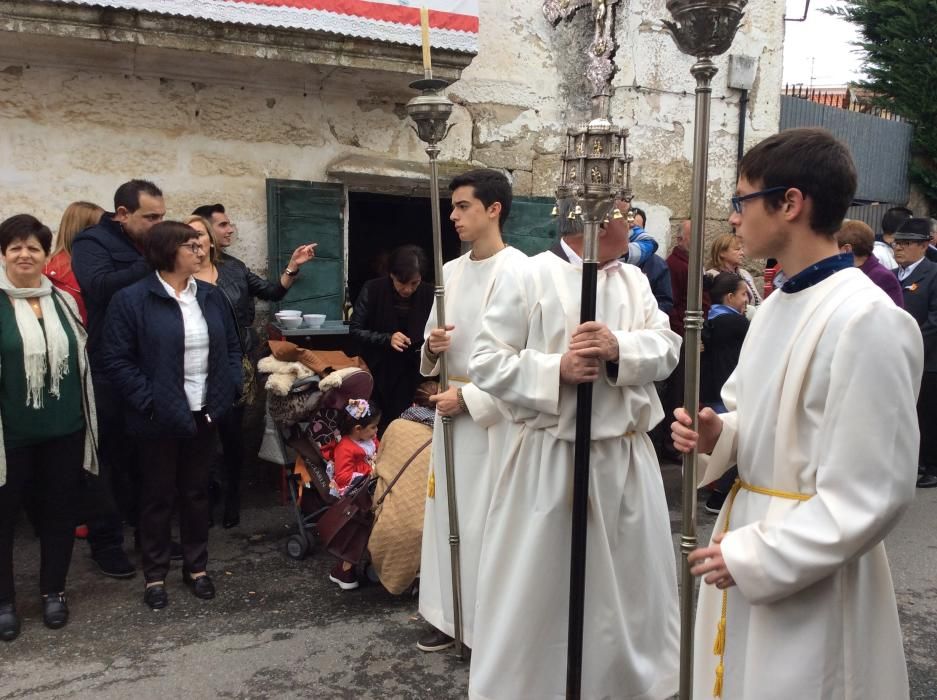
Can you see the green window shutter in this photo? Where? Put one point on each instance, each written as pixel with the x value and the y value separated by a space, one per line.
pixel 530 227
pixel 308 212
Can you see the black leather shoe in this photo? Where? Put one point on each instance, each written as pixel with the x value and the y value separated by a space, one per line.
pixel 54 610
pixel 927 481
pixel 156 597
pixel 9 622
pixel 202 586
pixel 114 563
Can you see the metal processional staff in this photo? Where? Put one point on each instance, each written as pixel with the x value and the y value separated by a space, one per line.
pixel 430 111
pixel 702 28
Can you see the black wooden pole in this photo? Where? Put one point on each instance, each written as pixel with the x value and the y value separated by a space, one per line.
pixel 580 514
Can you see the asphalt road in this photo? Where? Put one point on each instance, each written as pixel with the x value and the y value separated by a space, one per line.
pixel 279 629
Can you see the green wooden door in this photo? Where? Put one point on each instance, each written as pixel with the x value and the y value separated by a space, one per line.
pixel 530 227
pixel 308 212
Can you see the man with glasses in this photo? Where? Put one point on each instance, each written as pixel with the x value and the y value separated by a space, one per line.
pixel 824 437
pixel 918 278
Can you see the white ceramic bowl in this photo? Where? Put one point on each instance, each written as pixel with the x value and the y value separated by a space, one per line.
pixel 289 312
pixel 313 320
pixel 291 322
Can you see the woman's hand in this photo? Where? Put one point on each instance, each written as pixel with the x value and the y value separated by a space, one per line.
pixel 685 439
pixel 399 342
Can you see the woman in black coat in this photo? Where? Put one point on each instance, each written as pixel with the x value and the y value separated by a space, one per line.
pixel 173 353
pixel 388 322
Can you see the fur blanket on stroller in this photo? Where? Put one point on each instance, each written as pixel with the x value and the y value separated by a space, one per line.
pixel 398 530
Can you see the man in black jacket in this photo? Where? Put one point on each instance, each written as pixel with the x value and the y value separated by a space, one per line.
pixel 242 288
pixel 918 278
pixel 106 258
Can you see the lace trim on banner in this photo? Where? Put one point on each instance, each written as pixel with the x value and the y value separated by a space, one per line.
pixel 232 12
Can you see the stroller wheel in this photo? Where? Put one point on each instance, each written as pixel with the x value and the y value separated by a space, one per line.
pixel 297 547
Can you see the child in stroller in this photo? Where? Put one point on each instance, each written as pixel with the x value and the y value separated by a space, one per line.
pixel 352 460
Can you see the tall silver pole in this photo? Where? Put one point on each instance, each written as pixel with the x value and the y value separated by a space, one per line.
pixel 703 72
pixel 703 28
pixel 430 111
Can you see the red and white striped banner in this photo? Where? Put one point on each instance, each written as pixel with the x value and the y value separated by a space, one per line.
pixel 453 23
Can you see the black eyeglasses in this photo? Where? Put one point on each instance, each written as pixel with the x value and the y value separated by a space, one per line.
pixel 194 247
pixel 738 199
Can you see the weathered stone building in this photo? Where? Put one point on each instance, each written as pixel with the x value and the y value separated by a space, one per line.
pixel 214 108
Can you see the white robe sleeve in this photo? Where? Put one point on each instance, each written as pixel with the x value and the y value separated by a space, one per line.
pixel 501 363
pixel 482 407
pixel 647 354
pixel 866 464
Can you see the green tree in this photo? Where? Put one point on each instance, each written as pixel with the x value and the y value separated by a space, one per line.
pixel 899 38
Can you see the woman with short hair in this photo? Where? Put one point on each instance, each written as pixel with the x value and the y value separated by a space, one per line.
pixel 47 418
pixel 388 322
pixel 173 353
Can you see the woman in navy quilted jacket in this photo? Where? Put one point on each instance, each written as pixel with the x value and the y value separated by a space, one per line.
pixel 172 350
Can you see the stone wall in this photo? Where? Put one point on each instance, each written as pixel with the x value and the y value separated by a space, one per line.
pixel 71 133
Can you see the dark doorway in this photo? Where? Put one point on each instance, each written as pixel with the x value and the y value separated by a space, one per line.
pixel 378 223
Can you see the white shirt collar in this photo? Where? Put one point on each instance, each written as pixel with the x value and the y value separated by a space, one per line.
pixel 576 260
pixel 905 272
pixel 188 292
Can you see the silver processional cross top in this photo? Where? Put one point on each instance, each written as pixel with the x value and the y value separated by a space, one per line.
pixel 599 54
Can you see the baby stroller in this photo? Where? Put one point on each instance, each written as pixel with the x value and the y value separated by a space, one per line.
pixel 304 407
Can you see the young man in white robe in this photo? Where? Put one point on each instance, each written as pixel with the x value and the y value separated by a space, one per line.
pixel 798 599
pixel 531 354
pixel 481 202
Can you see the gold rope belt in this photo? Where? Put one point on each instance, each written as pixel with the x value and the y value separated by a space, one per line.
pixel 719 647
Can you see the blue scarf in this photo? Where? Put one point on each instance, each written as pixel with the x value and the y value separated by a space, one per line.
pixel 717 310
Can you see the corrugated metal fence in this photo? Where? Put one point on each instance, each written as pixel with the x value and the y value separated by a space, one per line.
pixel 880 147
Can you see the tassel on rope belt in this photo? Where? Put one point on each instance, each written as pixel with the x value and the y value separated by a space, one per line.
pixel 719 647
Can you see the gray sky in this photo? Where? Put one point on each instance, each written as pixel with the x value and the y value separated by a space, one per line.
pixel 818 51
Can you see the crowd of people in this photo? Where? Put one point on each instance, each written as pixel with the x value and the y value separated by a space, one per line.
pixel 124 350
pixel 128 352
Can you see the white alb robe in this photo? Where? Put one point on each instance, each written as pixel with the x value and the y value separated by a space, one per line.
pixel 468 285
pixel 822 402
pixel 631 632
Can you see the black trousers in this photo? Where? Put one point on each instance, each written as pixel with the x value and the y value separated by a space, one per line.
pixel 231 433
pixel 927 422
pixel 48 477
pixel 176 468
pixel 112 496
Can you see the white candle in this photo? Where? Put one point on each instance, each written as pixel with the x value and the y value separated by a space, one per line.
pixel 424 25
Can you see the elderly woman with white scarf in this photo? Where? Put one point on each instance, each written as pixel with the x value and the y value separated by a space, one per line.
pixel 47 419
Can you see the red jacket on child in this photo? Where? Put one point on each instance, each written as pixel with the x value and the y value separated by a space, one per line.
pixel 351 458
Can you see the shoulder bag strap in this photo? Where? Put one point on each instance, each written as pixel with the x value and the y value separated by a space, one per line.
pixel 402 470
